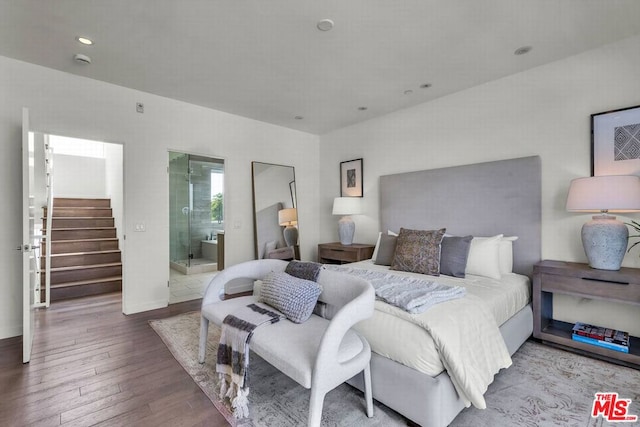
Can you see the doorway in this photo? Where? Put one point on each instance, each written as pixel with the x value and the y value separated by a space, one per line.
pixel 196 223
pixel 84 256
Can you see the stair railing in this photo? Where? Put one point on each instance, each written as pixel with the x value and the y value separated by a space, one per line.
pixel 48 150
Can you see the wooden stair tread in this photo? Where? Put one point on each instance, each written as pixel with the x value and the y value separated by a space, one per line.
pixel 82 198
pixel 107 251
pixel 86 267
pixel 77 217
pixel 83 228
pixel 86 282
pixel 81 207
pixel 98 239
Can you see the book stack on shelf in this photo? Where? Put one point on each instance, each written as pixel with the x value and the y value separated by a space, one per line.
pixel 602 337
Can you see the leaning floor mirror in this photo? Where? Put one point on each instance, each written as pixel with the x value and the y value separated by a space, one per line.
pixel 275 214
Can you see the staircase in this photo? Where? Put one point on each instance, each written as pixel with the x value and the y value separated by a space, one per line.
pixel 85 259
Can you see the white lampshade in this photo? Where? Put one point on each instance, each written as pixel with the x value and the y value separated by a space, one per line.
pixel 347 206
pixel 288 217
pixel 604 238
pixel 613 193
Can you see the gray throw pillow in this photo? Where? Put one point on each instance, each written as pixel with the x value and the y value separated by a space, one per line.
pixel 454 254
pixel 293 297
pixel 418 251
pixel 307 270
pixel 386 249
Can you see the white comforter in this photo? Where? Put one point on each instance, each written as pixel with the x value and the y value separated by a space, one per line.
pixel 471 354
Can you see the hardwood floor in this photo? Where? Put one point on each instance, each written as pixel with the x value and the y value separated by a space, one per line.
pixel 92 365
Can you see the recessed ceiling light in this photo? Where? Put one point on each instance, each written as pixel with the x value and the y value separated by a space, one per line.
pixel 425 85
pixel 522 50
pixel 298 117
pixel 85 40
pixel 325 25
pixel 363 108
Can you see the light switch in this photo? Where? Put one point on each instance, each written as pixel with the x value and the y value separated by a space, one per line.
pixel 140 227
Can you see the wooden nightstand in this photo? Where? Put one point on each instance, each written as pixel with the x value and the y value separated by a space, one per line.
pixel 570 278
pixel 337 253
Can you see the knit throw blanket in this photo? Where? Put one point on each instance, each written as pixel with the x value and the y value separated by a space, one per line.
pixel 408 293
pixel 232 363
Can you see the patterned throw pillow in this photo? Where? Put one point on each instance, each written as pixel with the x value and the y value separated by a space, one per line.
pixel 293 297
pixel 418 251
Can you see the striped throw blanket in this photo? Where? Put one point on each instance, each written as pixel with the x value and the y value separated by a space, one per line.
pixel 408 293
pixel 232 363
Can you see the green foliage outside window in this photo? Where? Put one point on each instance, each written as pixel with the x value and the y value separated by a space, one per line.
pixel 217 210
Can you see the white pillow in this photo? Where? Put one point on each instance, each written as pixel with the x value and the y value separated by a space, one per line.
pixel 506 254
pixel 484 257
pixel 375 250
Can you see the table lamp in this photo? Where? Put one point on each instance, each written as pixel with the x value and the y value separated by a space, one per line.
pixel 288 218
pixel 604 238
pixel 346 206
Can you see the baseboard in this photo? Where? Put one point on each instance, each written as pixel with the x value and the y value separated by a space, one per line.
pixel 10 331
pixel 146 306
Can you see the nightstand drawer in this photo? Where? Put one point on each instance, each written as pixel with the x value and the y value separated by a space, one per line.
pixel 338 255
pixel 587 287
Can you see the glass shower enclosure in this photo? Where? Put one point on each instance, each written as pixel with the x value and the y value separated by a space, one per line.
pixel 196 211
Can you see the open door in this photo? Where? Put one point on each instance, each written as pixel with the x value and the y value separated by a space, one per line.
pixel 30 238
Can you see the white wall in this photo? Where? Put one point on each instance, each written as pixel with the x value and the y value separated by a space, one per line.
pixel 67 105
pixel 114 185
pixel 92 177
pixel 78 176
pixel 544 111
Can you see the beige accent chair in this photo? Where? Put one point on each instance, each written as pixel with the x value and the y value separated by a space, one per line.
pixel 319 354
pixel 286 253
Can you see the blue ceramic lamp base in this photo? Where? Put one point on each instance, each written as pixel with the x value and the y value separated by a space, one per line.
pixel 346 229
pixel 605 242
pixel 290 234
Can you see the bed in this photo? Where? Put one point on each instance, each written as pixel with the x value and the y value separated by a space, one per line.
pixel 485 199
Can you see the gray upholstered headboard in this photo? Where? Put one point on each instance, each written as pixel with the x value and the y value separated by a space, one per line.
pixel 482 199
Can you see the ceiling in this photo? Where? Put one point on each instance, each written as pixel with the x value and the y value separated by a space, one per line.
pixel 266 60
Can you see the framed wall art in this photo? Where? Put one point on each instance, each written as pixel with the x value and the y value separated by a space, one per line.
pixel 615 142
pixel 351 178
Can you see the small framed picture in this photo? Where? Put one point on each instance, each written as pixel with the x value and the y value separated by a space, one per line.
pixel 615 142
pixel 351 178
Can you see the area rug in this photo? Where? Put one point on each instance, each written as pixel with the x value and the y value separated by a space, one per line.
pixel 544 387
pixel 274 398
